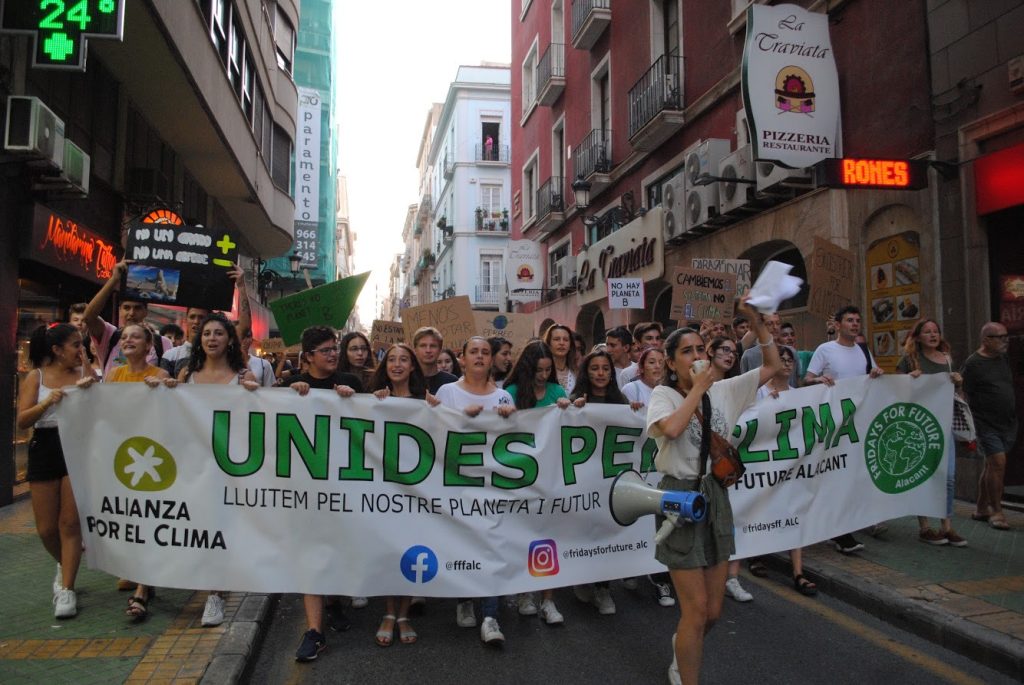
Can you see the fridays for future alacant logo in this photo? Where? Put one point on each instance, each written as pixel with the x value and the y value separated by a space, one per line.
pixel 904 447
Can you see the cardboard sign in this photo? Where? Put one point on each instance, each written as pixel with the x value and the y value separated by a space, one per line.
pixel 452 317
pixel 326 305
pixel 383 335
pixel 516 328
pixel 185 266
pixel 738 267
pixel 699 295
pixel 832 279
pixel 272 345
pixel 626 293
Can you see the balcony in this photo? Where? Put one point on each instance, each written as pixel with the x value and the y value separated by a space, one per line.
pixel 656 104
pixel 589 20
pixel 449 167
pixel 491 154
pixel 488 295
pixel 494 222
pixel 551 74
pixel 551 204
pixel 593 159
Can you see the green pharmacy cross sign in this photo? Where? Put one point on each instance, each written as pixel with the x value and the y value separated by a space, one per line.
pixel 60 27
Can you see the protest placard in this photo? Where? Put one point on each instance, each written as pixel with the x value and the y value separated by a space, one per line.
pixel 516 328
pixel 384 334
pixel 325 305
pixel 738 267
pixel 452 317
pixel 272 345
pixel 626 293
pixel 699 295
pixel 832 279
pixel 179 265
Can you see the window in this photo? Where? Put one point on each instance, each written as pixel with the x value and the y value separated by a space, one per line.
pixel 530 78
pixel 602 111
pixel 557 22
pixel 219 19
pixel 248 79
pixel 236 48
pixel 558 149
pixel 490 201
pixel 490 272
pixel 281 160
pixel 530 182
pixel 490 141
pixel 670 26
pixel 284 39
pixel 557 260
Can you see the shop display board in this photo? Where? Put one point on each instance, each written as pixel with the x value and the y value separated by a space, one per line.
pixel 893 295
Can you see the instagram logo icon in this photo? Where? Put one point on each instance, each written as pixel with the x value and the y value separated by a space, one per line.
pixel 543 558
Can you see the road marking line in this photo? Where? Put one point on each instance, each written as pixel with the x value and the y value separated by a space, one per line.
pixel 939 668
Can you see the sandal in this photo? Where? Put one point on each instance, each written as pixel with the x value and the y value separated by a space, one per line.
pixel 385 636
pixel 405 631
pixel 804 586
pixel 757 568
pixel 998 521
pixel 137 610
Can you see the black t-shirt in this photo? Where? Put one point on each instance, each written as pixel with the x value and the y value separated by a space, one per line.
pixel 988 383
pixel 440 378
pixel 339 378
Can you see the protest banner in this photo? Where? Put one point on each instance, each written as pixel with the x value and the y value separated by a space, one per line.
pixel 698 295
pixel 626 293
pixel 831 279
pixel 179 265
pixel 516 328
pixel 738 267
pixel 212 487
pixel 384 334
pixel 325 305
pixel 452 317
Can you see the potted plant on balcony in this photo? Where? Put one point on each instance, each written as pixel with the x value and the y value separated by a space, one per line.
pixel 504 219
pixel 479 218
pixel 442 223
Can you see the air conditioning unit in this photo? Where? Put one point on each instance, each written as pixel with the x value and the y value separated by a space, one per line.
pixel 33 130
pixel 76 168
pixel 742 130
pixel 732 197
pixel 773 178
pixel 148 183
pixel 702 200
pixel 673 202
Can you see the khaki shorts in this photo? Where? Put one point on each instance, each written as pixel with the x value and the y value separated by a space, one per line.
pixel 703 544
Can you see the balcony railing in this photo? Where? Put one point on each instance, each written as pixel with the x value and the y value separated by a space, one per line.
pixel 449 166
pixel 491 153
pixel 589 20
pixel 658 90
pixel 488 294
pixel 551 74
pixel 594 153
pixel 495 222
pixel 551 203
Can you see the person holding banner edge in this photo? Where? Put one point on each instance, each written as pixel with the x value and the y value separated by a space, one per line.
pixel 697 555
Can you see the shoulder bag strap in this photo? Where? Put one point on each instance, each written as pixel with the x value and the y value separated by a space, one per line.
pixel 705 433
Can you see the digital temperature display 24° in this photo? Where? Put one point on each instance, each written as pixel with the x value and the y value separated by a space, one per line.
pixel 60 27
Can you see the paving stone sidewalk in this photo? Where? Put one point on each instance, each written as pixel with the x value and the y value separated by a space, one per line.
pixel 101 645
pixel 968 599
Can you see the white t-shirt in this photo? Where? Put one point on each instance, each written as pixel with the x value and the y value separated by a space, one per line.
pixel 839 361
pixel 765 392
pixel 729 398
pixel 638 391
pixel 263 371
pixel 451 395
pixel 627 374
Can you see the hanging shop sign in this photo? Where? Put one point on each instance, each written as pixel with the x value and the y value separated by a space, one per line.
pixel 67 245
pixel 883 174
pixel 893 293
pixel 635 251
pixel 59 28
pixel 524 271
pixel 307 177
pixel 791 86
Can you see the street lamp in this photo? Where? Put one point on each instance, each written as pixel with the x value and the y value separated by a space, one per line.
pixel 434 282
pixel 581 189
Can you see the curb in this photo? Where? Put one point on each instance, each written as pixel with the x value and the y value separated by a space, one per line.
pixel 239 645
pixel 977 642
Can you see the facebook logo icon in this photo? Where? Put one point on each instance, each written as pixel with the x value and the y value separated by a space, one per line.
pixel 419 564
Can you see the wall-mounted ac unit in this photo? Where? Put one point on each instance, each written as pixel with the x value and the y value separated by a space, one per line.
pixel 742 130
pixel 34 131
pixel 673 202
pixel 76 168
pixel 702 200
pixel 732 197
pixel 774 178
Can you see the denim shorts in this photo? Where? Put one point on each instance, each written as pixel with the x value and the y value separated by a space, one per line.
pixel 703 544
pixel 994 442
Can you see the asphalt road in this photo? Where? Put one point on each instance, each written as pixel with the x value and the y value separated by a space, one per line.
pixel 780 637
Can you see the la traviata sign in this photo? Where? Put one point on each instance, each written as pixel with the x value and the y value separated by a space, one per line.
pixel 634 251
pixel 67 245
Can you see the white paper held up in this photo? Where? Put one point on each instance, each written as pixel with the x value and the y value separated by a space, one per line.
pixel 773 286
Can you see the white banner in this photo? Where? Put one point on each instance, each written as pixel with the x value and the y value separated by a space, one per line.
pixel 213 487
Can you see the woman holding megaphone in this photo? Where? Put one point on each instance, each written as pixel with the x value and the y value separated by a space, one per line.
pixel 694 403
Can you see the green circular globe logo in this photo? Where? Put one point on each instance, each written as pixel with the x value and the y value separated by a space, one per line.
pixel 144 465
pixel 904 447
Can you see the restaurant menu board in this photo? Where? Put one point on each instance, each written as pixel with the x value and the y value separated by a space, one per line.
pixel 893 295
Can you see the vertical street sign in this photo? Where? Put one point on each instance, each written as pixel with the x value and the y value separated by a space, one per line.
pixel 60 27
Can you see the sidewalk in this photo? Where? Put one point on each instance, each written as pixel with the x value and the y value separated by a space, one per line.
pixel 970 599
pixel 101 645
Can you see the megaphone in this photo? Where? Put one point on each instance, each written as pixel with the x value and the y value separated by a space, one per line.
pixel 631 497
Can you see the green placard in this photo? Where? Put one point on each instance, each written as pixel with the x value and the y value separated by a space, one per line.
pixel 325 305
pixel 60 27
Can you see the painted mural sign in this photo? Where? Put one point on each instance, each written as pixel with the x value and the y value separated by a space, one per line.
pixel 893 295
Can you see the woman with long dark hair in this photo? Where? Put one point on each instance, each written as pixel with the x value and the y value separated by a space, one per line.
pixel 697 555
pixel 596 382
pixel 56 355
pixel 448 361
pixel 355 357
pixel 558 338
pixel 501 360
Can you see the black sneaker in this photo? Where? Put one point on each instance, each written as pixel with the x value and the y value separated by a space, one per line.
pixel 313 643
pixel 336 618
pixel 847 544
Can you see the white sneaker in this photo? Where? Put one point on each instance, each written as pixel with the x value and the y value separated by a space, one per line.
pixel 359 602
pixel 664 594
pixel 65 604
pixel 549 612
pixel 527 607
pixel 736 591
pixel 673 671
pixel 213 613
pixel 603 601
pixel 464 614
pixel 490 631
pixel 58 580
